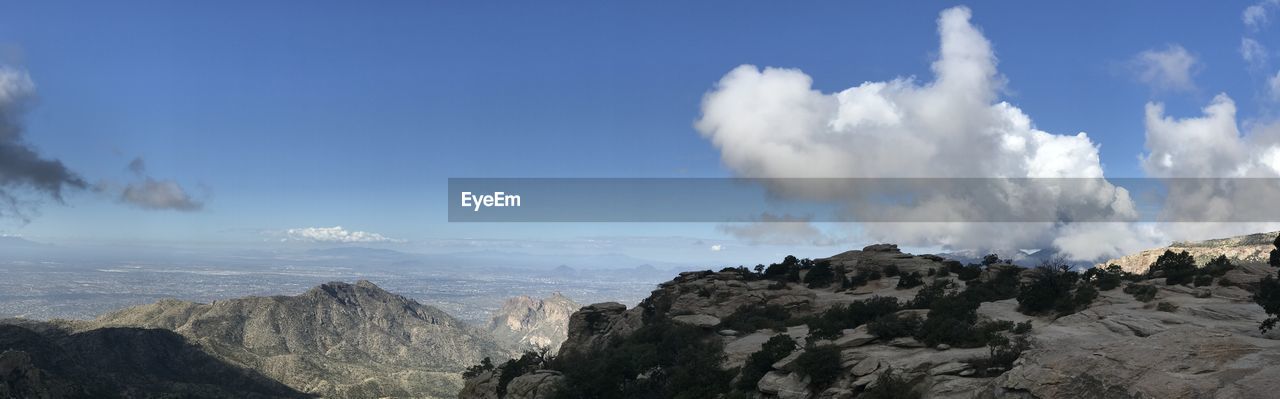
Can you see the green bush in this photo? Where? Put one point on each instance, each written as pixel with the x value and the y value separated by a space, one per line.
pixel 944 272
pixel 1268 296
pixel 890 270
pixel 894 325
pixel 1050 290
pixel 1022 328
pixel 1203 280
pixel 820 276
pixel 485 365
pixel 1084 296
pixel 925 297
pixel 748 318
pixel 969 272
pixel 1002 355
pixel 909 281
pixel 1003 285
pixel 676 361
pixel 1105 279
pixel 831 322
pixel 1217 267
pixel 821 364
pixel 1141 292
pixel 990 260
pixel 761 362
pixel 1275 254
pixel 891 385
pixel 526 363
pixel 1176 267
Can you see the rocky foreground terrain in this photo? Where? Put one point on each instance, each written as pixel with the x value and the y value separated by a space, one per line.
pixel 535 323
pixel 873 331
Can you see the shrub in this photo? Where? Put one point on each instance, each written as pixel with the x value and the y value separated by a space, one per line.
pixel 950 321
pixel 990 260
pixel 1004 285
pixel 831 322
pixel 858 280
pixel 513 368
pixel 1203 280
pixel 969 272
pixel 754 317
pixel 932 272
pixel 944 272
pixel 1001 358
pixel 819 276
pixel 873 275
pixel 890 385
pixel 1275 253
pixel 776 271
pixel 1268 296
pixel 894 325
pixel 1217 267
pixel 952 266
pixel 1049 290
pixel 925 297
pixel 821 364
pixel 1105 279
pixel 909 281
pixel 890 270
pixel 1166 307
pixel 1022 328
pixel 677 361
pixel 485 365
pixel 1141 292
pixel 1083 297
pixel 1176 267
pixel 761 362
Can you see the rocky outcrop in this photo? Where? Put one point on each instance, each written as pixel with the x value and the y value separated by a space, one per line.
pixel 336 340
pixel 1201 342
pixel 534 323
pixel 1252 248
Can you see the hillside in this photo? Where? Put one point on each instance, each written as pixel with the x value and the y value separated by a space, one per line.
pixel 336 340
pixel 534 323
pixel 857 325
pixel 43 360
pixel 1252 248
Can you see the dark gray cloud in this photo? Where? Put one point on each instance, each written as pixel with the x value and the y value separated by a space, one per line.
pixel 23 172
pixel 155 194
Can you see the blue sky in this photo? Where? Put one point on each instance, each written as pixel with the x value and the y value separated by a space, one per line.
pixel 280 115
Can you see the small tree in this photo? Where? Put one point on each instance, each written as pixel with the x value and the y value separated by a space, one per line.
pixel 1177 267
pixel 1275 253
pixel 820 275
pixel 990 260
pixel 821 364
pixel 1268 296
pixel 910 281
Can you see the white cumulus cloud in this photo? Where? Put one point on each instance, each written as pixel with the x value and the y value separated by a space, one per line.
pixel 336 234
pixel 772 123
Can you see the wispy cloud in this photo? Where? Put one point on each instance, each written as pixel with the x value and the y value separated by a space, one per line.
pixel 779 230
pixel 335 234
pixel 1170 68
